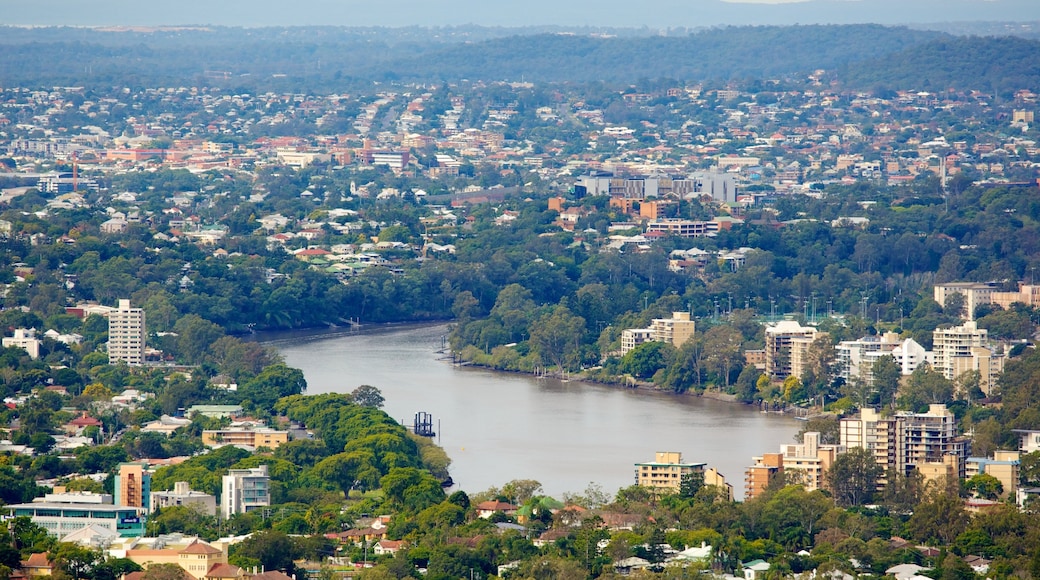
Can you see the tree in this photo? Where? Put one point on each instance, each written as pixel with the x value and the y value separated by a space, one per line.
pixel 519 491
pixel 75 560
pixel 940 517
pixel 557 336
pixel 828 426
pixel 853 477
pixel 984 485
pixel 275 382
pixel 273 549
pixel 886 373
pixel 646 359
pixel 722 345
pixel 412 488
pixel 164 572
pixel 925 387
pixel 690 484
pixel 194 337
pixel 367 396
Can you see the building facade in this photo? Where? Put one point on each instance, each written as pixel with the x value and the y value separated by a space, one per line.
pixel 903 441
pixel 780 338
pixel 675 331
pixel 245 437
pixel 133 486
pixel 960 349
pixel 244 490
pixel 63 513
pixel 183 495
pixel 25 339
pixel 126 335
pixel 666 471
pixel 974 294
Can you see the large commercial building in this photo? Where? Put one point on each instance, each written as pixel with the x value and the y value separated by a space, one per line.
pixel 1028 294
pixel 63 513
pixel 245 490
pixel 666 471
pixel 126 335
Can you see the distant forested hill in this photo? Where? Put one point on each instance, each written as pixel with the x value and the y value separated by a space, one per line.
pixel 997 65
pixel 330 58
pixel 326 55
pixel 722 53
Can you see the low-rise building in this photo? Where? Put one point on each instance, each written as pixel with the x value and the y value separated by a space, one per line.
pixel 666 471
pixel 1004 465
pixel 183 495
pixel 25 339
pixel 245 437
pixel 675 331
pixel 63 513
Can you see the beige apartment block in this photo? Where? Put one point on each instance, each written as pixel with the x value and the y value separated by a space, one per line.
pixel 666 471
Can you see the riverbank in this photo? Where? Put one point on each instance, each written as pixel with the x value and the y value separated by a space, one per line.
pixel 277 338
pixel 498 426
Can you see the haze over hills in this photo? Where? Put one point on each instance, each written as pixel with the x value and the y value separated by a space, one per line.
pixel 330 58
pixel 652 13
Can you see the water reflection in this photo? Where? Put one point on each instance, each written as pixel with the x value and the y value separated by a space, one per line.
pixel 499 426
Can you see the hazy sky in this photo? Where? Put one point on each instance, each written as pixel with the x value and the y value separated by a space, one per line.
pixel 634 13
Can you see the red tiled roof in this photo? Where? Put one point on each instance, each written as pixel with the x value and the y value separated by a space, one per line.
pixel 197 547
pixel 495 506
pixel 37 560
pixel 224 571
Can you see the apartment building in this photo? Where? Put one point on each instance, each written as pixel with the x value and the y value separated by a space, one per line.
pixel 666 471
pixel 245 437
pixel 856 358
pixel 126 335
pixel 784 339
pixel 903 441
pixel 805 463
pixel 964 348
pixel 25 339
pixel 758 476
pixel 1004 465
pixel 183 495
pixel 244 490
pixel 974 293
pixel 675 331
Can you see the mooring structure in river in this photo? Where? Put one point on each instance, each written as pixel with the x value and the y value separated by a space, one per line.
pixel 423 424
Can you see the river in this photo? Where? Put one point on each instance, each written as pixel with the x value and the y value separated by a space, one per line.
pixel 497 427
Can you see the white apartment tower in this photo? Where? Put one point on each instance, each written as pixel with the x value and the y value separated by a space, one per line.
pixel 966 348
pixel 126 334
pixel 244 490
